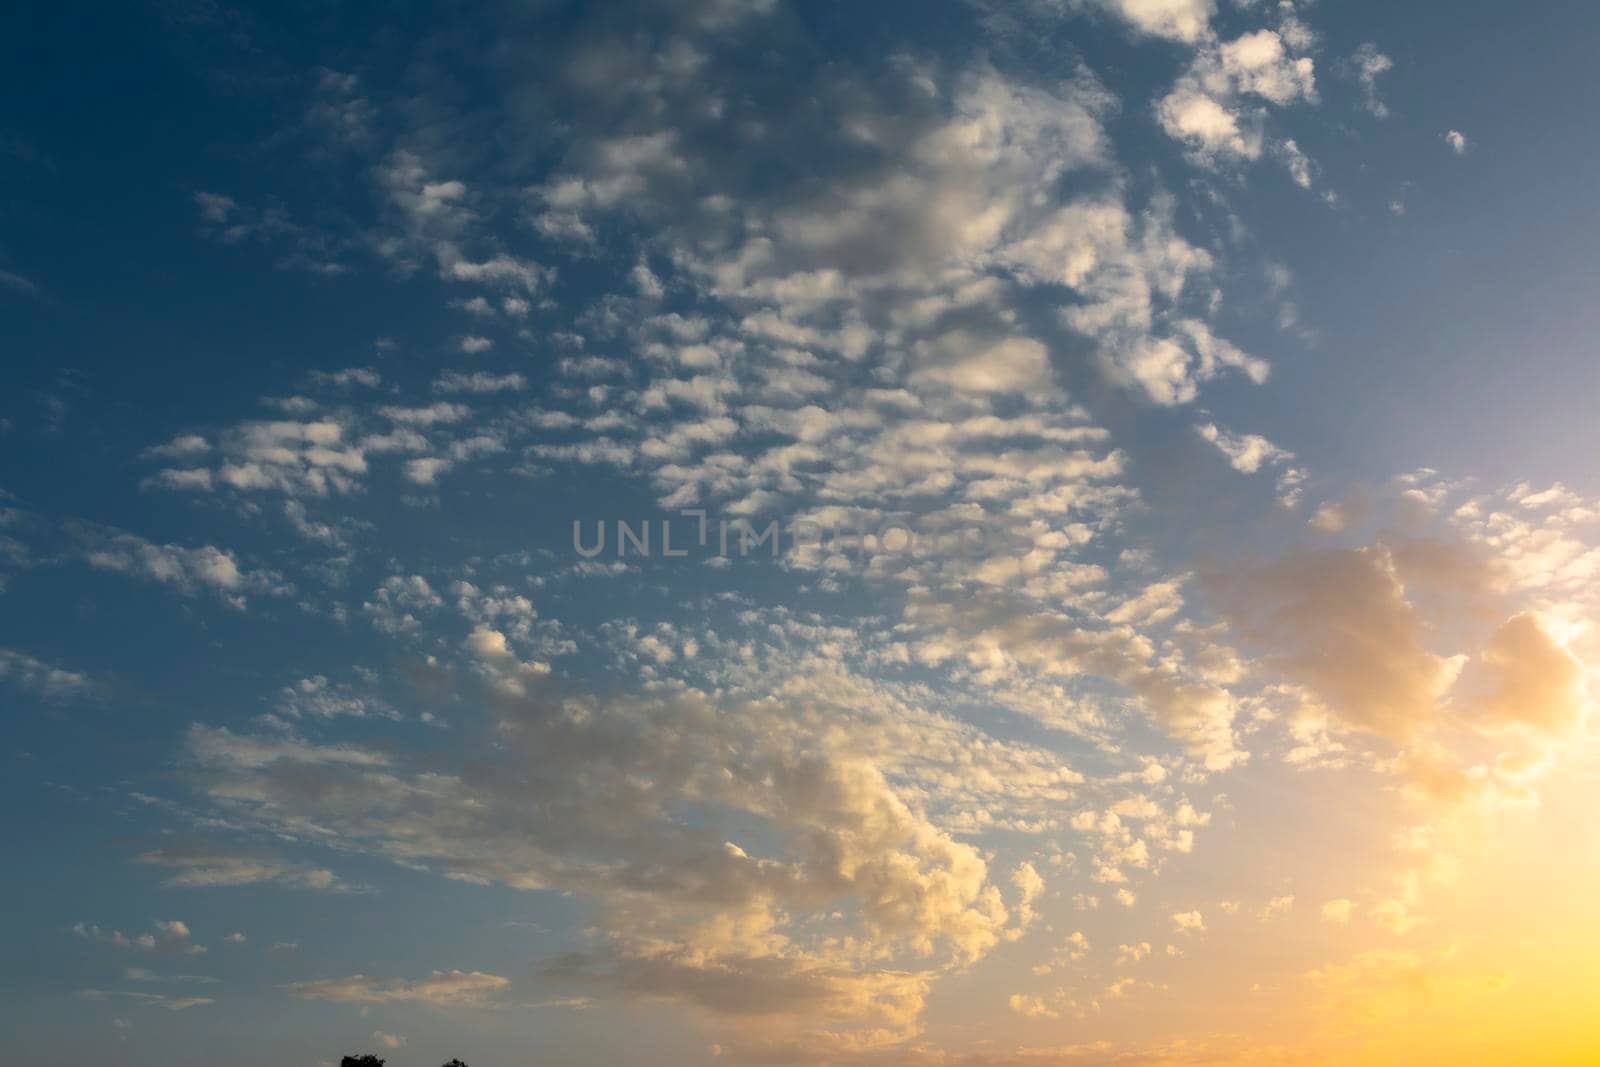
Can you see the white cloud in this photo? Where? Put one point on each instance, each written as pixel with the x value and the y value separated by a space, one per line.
pixel 426 470
pixel 1031 1007
pixel 317 697
pixel 1371 64
pixel 1276 907
pixel 46 680
pixel 154 1000
pixel 429 415
pixel 1209 111
pixel 440 988
pixel 291 457
pixel 214 207
pixel 1246 453
pixel 1014 365
pixel 1259 64
pixel 171 935
pixel 185 569
pixel 362 376
pixel 788 818
pixel 1180 20
pixel 18 283
pixel 207 867
pixel 713 925
pixel 1296 162
pixel 1205 125
pixel 479 382
pixel 396 603
pixel 180 446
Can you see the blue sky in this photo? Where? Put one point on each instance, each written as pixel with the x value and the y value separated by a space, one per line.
pixel 1230 364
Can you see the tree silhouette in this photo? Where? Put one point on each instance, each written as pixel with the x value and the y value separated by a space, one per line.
pixel 369 1060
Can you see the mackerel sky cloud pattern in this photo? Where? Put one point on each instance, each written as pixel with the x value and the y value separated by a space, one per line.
pixel 1052 533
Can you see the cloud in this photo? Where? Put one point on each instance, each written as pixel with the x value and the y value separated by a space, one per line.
pixel 208 867
pixel 1260 64
pixel 685 911
pixel 215 207
pixel 430 415
pixel 139 974
pixel 846 260
pixel 1371 64
pixel 18 284
pixel 1338 621
pixel 1210 110
pixel 574 1003
pixel 187 570
pixel 298 246
pixel 188 444
pixel 1529 679
pixel 396 604
pixel 42 679
pixel 220 747
pixel 479 382
pixel 291 457
pixel 939 300
pixel 1457 141
pixel 1127 954
pixel 340 112
pixel 1031 1007
pixel 317 697
pixel 439 989
pixel 169 563
pixel 1277 906
pixel 1191 708
pixel 1017 365
pixel 1300 167
pixel 365 377
pixel 1172 371
pixel 512 676
pixel 1187 21
pixel 167 936
pixel 1211 130
pixel 1246 452
pixel 1442 654
pixel 913 883
pixel 1386 983
pixel 426 470
pixel 154 1000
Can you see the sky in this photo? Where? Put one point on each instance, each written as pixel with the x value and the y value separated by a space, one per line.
pixel 972 534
